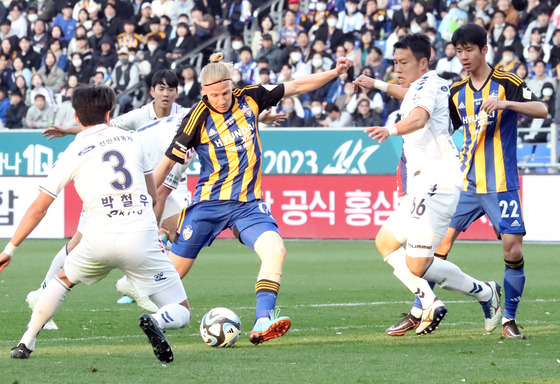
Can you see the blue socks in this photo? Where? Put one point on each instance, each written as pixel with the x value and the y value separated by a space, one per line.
pixel 266 291
pixel 514 281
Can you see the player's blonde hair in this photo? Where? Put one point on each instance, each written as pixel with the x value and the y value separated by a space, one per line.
pixel 216 71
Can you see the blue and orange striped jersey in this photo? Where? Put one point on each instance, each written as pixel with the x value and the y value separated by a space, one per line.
pixel 489 154
pixel 228 145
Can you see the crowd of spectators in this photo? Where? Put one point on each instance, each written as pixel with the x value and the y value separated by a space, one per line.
pixel 48 47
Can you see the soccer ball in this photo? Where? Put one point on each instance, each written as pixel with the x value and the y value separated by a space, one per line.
pixel 220 327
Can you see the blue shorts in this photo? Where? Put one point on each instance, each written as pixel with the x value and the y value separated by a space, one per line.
pixel 502 208
pixel 200 223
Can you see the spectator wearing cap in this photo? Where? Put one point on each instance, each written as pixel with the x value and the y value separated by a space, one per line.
pixel 270 51
pixel 90 6
pixel 53 77
pixel 113 25
pixel 542 24
pixel 266 27
pixel 39 115
pixel 16 112
pixel 290 30
pixel 66 23
pixel 106 56
pixel 128 38
pixel 123 78
pixel 182 43
pixel 143 19
pixel 301 18
pixel 39 37
pixel 96 36
pixel 19 22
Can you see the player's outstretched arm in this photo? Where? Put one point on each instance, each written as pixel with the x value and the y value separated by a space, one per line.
pixel 415 120
pixel 536 109
pixel 368 83
pixel 162 170
pixel 60 131
pixel 33 216
pixel 314 81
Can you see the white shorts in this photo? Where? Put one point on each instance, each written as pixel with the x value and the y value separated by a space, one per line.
pixel 422 221
pixel 138 254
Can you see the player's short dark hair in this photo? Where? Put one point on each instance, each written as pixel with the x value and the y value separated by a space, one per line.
pixel 418 43
pixel 470 34
pixel 165 77
pixel 92 103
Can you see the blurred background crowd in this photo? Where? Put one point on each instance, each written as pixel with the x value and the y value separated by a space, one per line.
pixel 48 47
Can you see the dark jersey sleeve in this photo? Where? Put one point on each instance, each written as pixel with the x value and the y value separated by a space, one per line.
pixel 188 133
pixel 265 95
pixel 519 92
pixel 454 115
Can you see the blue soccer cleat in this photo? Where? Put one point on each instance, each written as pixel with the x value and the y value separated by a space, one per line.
pixel 266 329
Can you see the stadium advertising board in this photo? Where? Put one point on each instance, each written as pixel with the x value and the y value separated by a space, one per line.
pixel 337 207
pixel 16 194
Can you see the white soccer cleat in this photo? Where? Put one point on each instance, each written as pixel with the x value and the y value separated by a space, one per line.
pixel 126 288
pixel 492 308
pixel 431 317
pixel 31 300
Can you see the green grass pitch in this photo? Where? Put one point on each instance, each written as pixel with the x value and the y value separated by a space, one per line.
pixel 340 296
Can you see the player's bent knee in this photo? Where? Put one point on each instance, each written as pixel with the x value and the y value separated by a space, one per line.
pixel 418 265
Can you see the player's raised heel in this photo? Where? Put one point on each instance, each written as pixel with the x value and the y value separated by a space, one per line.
pixel 20 352
pixel 431 317
pixel 162 348
pixel 270 329
pixel 126 288
pixel 406 324
pixel 492 308
pixel 510 330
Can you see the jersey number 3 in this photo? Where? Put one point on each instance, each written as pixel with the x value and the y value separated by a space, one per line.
pixel 119 168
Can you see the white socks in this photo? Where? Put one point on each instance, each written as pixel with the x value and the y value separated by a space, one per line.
pixel 450 277
pixel 56 265
pixel 47 304
pixel 415 284
pixel 172 316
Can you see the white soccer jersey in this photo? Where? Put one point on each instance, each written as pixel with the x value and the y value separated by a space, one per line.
pixel 139 117
pixel 108 169
pixel 430 155
pixel 154 139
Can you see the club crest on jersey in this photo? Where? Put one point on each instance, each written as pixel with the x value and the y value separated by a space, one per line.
pixel 247 111
pixel 187 232
pixel 86 150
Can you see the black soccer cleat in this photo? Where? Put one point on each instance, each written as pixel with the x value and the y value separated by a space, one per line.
pixel 162 348
pixel 20 352
pixel 510 330
pixel 406 324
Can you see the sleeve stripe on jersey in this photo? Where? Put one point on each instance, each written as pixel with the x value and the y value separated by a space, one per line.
pixel 148 172
pixel 238 91
pixel 194 118
pixel 47 192
pixel 459 83
pixel 509 76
